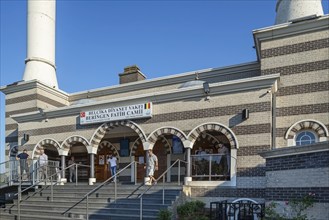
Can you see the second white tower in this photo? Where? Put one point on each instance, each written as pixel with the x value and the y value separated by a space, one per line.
pixel 287 10
pixel 40 61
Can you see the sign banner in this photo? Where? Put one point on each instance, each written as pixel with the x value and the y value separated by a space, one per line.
pixel 143 110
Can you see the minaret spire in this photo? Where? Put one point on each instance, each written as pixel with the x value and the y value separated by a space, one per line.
pixel 287 10
pixel 40 61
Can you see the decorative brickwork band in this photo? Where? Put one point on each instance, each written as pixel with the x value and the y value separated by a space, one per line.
pixel 303 109
pixel 9 127
pixel 304 88
pixel 298 68
pixel 34 97
pixel 295 48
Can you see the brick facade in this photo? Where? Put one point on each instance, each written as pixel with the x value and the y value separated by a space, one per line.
pixel 301 92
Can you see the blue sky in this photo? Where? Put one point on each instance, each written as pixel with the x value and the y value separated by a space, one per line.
pixel 95 40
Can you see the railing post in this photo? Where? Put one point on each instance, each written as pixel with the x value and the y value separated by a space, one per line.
pixel 115 189
pixel 163 189
pixel 135 172
pixel 19 198
pixel 141 209
pixel 210 167
pixel 51 188
pixel 87 207
pixel 179 172
pixel 76 174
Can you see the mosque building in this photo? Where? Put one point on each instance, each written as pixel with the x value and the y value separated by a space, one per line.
pixel 268 117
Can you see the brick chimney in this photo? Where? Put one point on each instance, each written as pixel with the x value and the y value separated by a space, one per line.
pixel 131 74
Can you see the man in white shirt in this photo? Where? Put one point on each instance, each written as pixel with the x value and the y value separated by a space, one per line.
pixel 152 165
pixel 112 162
pixel 43 162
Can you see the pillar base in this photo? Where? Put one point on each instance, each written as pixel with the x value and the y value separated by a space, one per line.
pixel 187 179
pixel 92 181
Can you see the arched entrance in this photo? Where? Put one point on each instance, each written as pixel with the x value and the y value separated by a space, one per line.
pixel 138 154
pixel 213 150
pixel 102 171
pixel 167 145
pixel 162 150
pixel 76 146
pixel 121 135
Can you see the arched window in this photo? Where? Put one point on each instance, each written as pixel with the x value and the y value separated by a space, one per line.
pixel 305 137
pixel 306 132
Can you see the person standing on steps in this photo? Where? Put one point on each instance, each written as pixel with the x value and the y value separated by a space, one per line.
pixel 112 162
pixel 152 165
pixel 72 169
pixel 43 162
pixel 22 157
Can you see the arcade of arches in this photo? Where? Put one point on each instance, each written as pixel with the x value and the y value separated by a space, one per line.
pixel 202 149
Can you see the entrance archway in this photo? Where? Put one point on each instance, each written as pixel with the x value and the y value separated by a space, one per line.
pixel 77 146
pixel 122 136
pixel 213 154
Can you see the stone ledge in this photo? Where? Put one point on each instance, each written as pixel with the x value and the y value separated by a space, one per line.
pixel 288 151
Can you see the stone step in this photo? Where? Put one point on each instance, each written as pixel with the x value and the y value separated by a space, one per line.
pixel 101 203
pixel 101 198
pixel 81 212
pixel 170 193
pixel 96 203
pixel 7 216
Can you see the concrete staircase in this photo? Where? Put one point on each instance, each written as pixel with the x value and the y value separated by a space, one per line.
pixel 102 204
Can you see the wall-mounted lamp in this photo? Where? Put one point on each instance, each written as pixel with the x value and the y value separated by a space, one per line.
pixel 245 114
pixel 206 90
pixel 26 137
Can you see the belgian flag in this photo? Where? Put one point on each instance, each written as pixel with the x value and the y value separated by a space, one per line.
pixel 147 105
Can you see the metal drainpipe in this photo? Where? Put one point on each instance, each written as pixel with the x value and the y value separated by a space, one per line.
pixel 273 144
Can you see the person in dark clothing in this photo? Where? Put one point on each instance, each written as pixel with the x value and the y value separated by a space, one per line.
pixel 23 157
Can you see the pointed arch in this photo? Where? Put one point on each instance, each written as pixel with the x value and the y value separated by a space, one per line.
pixel 210 138
pixel 66 145
pixel 40 145
pixel 111 147
pixel 134 146
pixel 314 125
pixel 165 143
pixel 101 131
pixel 194 134
pixel 152 138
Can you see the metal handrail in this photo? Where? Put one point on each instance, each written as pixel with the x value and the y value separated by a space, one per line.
pixel 11 174
pixel 163 180
pixel 19 193
pixel 86 196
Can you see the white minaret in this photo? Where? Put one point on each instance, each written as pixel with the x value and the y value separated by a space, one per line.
pixel 40 61
pixel 287 10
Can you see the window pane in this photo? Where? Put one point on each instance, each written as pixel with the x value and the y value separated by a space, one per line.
pixel 304 138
